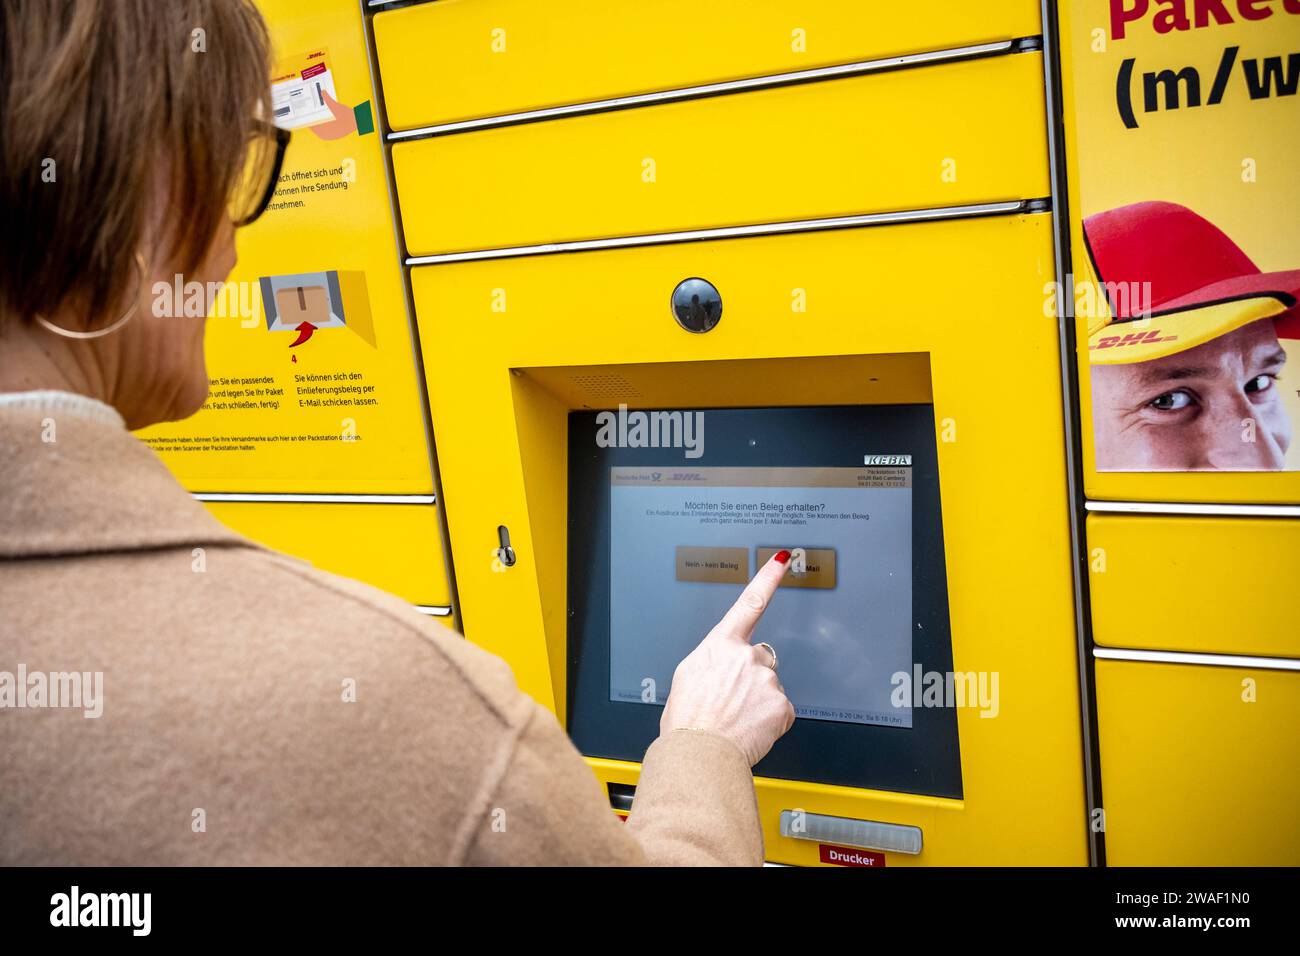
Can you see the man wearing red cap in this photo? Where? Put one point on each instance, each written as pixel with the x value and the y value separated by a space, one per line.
pixel 1185 371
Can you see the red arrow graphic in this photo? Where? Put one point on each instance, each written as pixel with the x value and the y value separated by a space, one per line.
pixel 305 329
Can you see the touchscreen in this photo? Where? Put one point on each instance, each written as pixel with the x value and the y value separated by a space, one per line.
pixel 684 543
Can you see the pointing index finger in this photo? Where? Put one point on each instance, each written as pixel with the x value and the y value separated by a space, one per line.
pixel 741 618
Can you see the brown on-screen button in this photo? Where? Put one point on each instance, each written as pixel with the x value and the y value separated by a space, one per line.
pixel 819 568
pixel 713 565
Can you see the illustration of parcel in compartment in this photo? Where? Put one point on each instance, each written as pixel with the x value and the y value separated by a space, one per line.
pixel 306 302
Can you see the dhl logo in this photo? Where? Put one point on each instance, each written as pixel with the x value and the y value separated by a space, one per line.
pixel 1133 338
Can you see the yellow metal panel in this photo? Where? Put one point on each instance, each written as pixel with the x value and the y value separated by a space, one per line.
pixel 893 380
pixel 1211 585
pixel 542 419
pixel 883 293
pixel 396 548
pixel 1194 771
pixel 459 59
pixel 942 135
pixel 342 411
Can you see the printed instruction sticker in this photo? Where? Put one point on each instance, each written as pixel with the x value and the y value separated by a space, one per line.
pixel 299 90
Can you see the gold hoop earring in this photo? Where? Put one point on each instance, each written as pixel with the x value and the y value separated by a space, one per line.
pixel 120 321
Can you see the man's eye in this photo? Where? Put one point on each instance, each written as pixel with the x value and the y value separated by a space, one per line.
pixel 1171 401
pixel 1260 383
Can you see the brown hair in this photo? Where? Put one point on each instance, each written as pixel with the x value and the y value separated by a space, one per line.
pixel 125 126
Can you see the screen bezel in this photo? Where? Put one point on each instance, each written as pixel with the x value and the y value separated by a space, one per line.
pixel 924 759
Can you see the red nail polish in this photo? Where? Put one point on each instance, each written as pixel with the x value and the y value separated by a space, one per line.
pixel 782 556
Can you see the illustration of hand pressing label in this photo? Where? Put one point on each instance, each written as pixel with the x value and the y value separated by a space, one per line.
pixel 347 119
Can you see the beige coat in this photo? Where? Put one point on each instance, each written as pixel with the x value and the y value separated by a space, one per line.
pixel 225 737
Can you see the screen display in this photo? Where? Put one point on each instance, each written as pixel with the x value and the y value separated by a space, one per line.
pixel 663 538
pixel 684 541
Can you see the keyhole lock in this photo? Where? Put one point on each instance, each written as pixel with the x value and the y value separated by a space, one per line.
pixel 505 553
pixel 697 305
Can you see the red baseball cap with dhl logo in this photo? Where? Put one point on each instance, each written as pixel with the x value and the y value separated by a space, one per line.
pixel 1173 280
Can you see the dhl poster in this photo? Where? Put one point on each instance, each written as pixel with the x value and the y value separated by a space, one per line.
pixel 313 380
pixel 1183 124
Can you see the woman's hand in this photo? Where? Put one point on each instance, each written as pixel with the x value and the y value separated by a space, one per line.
pixel 729 687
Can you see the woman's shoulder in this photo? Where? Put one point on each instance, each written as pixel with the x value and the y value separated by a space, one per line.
pixel 352 613
pixel 276 692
